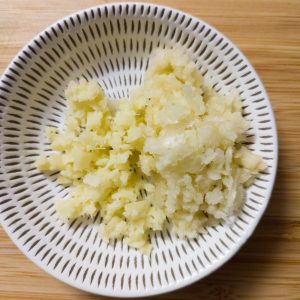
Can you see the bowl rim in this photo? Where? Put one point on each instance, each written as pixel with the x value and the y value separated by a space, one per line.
pixel 246 235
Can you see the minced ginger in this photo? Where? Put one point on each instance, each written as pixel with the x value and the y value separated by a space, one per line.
pixel 172 151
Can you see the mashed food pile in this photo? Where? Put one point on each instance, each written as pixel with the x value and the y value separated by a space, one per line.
pixel 172 151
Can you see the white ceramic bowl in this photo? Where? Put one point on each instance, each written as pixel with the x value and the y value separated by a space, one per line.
pixel 112 43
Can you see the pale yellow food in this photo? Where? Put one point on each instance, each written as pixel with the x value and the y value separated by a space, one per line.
pixel 173 150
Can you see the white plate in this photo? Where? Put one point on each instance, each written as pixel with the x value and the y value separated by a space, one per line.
pixel 112 43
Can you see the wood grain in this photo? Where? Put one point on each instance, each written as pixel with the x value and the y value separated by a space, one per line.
pixel 268 32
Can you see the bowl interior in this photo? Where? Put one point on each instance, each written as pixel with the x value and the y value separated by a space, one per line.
pixel 112 44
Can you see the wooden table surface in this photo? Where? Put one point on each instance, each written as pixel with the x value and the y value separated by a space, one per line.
pixel 268 32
